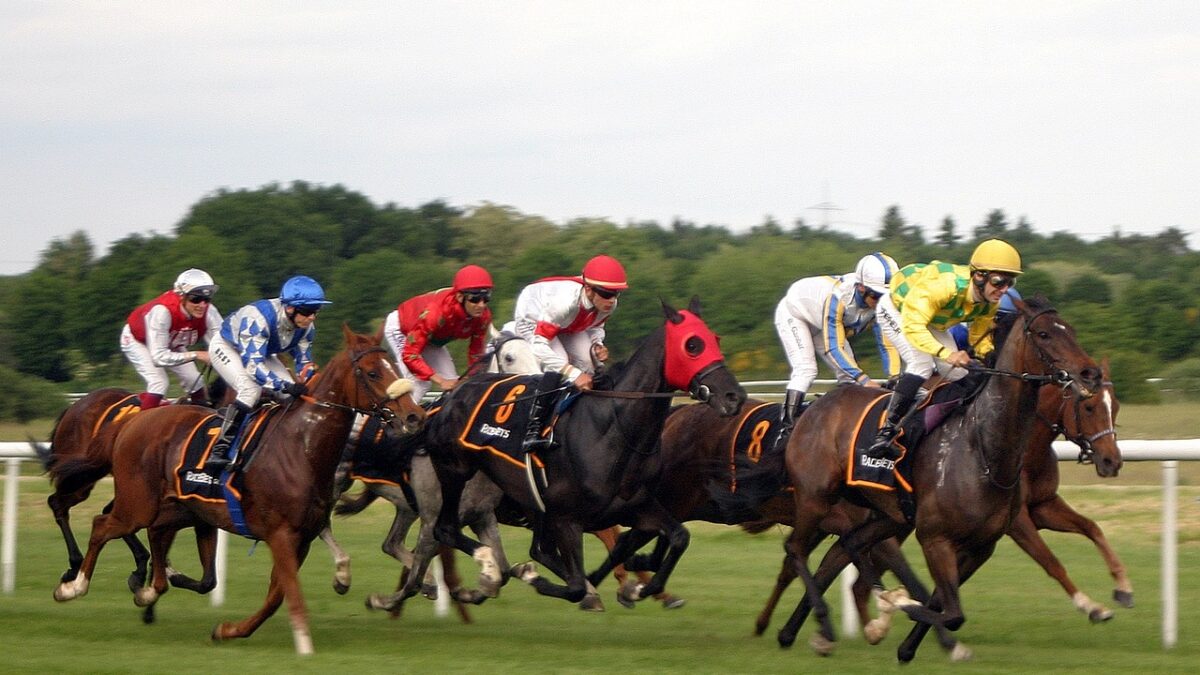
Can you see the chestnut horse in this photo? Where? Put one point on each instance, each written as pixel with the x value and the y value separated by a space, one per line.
pixel 286 491
pixel 966 473
pixel 603 472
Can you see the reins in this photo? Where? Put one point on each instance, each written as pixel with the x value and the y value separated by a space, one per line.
pixel 1084 442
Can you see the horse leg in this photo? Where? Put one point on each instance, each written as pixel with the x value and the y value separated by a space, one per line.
pixel 61 505
pixel 448 530
pixel 287 553
pixel 1057 515
pixel 787 575
pixel 592 602
pixel 341 561
pixel 944 606
pixel 559 547
pixel 888 555
pixel 453 580
pixel 137 508
pixel 206 549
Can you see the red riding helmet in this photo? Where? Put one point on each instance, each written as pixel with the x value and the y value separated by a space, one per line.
pixel 472 277
pixel 605 272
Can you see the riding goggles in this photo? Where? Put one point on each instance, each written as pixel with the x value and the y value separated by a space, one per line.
pixel 604 292
pixel 307 310
pixel 198 299
pixel 476 297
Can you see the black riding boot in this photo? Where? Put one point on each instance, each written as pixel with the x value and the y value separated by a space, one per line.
pixel 903 396
pixel 234 413
pixel 539 413
pixel 788 414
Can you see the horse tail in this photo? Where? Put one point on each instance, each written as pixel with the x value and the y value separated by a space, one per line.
pixel 757 482
pixel 44 452
pixel 75 473
pixel 349 505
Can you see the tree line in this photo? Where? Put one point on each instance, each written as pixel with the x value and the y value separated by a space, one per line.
pixel 1132 298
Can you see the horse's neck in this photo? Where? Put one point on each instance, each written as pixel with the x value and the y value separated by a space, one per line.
pixel 1005 414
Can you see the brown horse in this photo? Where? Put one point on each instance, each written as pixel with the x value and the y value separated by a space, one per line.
pixel 287 488
pixel 86 430
pixel 1087 422
pixel 965 473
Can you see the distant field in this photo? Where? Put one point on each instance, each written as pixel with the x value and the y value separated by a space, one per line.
pixel 1019 621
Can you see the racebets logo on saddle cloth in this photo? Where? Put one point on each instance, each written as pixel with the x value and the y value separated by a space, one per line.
pixel 500 418
pixel 191 479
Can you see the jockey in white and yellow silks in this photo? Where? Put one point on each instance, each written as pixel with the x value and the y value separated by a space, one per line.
pixel 924 303
pixel 819 315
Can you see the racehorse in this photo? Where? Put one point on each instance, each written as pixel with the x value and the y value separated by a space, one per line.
pixel 286 486
pixel 965 473
pixel 1089 423
pixel 602 472
pixel 506 353
pixel 86 429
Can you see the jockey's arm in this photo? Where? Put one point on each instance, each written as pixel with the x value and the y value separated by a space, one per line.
pixel 158 339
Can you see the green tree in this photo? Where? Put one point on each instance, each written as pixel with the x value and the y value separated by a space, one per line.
pixel 947 236
pixel 994 226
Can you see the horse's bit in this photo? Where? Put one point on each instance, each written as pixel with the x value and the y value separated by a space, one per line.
pixel 1084 442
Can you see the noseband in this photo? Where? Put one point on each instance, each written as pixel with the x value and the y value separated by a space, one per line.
pixel 378 407
pixel 1086 450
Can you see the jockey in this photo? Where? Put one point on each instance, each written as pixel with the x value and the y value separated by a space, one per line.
pixel 244 352
pixel 563 319
pixel 827 311
pixel 418 330
pixel 156 337
pixel 924 302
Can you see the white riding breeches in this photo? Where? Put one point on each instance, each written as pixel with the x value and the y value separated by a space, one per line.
pixel 228 363
pixel 438 358
pixel 156 379
pixel 799 344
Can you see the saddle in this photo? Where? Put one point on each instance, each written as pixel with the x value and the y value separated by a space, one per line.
pixel 945 400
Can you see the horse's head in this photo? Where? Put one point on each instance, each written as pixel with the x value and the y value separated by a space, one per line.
pixel 693 361
pixel 1090 423
pixel 374 385
pixel 512 354
pixel 1045 344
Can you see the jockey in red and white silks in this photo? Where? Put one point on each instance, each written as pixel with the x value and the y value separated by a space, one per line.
pixel 156 337
pixel 563 318
pixel 819 315
pixel 419 329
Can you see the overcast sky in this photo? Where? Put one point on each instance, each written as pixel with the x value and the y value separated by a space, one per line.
pixel 116 117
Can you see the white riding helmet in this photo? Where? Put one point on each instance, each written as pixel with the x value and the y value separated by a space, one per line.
pixel 195 282
pixel 875 271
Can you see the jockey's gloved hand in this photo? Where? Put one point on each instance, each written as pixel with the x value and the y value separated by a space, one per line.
pixel 297 389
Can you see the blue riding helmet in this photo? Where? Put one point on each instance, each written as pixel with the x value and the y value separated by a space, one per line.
pixel 302 290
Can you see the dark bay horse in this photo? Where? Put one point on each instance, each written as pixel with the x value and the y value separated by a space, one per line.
pixel 1087 422
pixel 966 473
pixel 287 488
pixel 603 472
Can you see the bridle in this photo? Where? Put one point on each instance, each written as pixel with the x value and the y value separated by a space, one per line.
pixel 1086 450
pixel 378 407
pixel 1059 376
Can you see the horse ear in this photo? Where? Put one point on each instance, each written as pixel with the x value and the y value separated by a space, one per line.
pixel 669 312
pixel 1103 368
pixel 378 337
pixel 347 333
pixel 694 305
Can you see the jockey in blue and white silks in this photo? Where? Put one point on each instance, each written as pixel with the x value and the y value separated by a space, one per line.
pixel 245 352
pixel 818 315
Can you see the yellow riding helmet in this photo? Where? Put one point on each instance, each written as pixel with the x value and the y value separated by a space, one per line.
pixel 995 255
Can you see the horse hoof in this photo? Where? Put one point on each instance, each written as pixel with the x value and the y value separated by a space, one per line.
pixel 786 640
pixel 381 602
pixel 429 591
pixel 1123 598
pixel 672 602
pixel 960 652
pixel 148 615
pixel 591 603
pixel 875 631
pixel 1100 615
pixel 218 633
pixel 340 588
pixel 145 597
pixel 820 644
pixel 135 582
pixel 526 571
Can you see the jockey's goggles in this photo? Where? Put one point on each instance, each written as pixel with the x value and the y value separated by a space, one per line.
pixel 998 280
pixel 198 299
pixel 307 310
pixel 476 297
pixel 869 293
pixel 604 292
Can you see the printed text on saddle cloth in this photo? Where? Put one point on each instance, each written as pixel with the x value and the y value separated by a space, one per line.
pixel 691 346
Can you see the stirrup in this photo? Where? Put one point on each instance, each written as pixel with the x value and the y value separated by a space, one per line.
pixel 883 447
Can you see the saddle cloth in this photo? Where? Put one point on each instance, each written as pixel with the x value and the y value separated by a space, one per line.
pixel 498 422
pixel 127 406
pixel 192 480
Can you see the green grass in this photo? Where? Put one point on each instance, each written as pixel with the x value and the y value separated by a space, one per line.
pixel 1018 619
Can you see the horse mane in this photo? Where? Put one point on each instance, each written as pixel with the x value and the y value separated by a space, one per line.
pixel 1005 321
